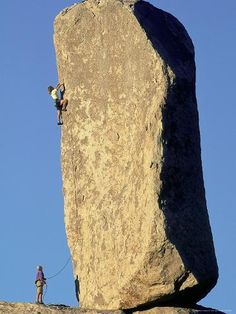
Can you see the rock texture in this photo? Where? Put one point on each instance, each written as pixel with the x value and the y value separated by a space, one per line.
pixel 178 310
pixel 28 308
pixel 135 209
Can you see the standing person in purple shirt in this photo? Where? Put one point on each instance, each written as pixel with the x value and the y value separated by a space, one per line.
pixel 40 282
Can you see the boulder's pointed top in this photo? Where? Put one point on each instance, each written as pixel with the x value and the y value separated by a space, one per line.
pixel 99 2
pixel 129 3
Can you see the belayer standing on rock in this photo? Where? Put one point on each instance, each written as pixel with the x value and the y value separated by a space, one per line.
pixel 40 282
pixel 60 103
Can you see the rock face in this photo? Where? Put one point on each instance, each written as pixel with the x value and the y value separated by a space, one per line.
pixel 28 308
pixel 135 209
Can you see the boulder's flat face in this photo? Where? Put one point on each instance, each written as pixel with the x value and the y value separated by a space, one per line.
pixel 135 210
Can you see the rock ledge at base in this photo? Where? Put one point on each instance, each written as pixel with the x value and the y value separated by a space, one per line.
pixel 29 308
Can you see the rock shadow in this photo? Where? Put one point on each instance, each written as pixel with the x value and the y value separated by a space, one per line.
pixel 182 197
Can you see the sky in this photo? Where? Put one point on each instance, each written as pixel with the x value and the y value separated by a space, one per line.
pixel 31 201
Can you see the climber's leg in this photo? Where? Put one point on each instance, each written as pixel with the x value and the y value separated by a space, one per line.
pixel 39 296
pixel 64 104
pixel 59 117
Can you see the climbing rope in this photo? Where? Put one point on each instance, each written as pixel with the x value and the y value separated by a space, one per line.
pixel 56 274
pixel 61 270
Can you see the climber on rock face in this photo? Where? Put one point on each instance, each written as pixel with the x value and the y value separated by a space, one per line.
pixel 40 282
pixel 60 103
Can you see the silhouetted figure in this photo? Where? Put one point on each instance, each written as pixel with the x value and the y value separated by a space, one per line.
pixel 77 288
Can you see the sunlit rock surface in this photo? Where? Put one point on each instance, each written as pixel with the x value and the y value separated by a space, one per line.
pixel 29 308
pixel 135 209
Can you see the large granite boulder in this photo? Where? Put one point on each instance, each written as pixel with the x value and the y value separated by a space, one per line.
pixel 135 208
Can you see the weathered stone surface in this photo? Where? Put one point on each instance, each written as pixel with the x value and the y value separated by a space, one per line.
pixel 178 310
pixel 135 209
pixel 28 308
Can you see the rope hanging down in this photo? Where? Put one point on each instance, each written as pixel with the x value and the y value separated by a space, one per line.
pixel 61 270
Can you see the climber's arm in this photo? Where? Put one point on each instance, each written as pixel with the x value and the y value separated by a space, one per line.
pixel 59 85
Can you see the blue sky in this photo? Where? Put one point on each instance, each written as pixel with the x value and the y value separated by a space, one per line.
pixel 31 226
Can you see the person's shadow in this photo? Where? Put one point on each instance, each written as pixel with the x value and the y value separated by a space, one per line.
pixel 77 288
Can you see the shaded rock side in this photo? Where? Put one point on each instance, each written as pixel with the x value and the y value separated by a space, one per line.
pixel 179 310
pixel 135 209
pixel 29 308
